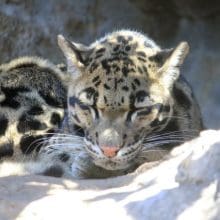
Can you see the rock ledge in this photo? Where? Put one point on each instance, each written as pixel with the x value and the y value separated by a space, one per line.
pixel 185 186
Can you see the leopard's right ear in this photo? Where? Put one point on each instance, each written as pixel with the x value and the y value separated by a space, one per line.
pixel 76 55
pixel 172 60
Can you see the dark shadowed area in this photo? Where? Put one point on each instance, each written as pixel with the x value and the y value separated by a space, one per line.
pixel 30 27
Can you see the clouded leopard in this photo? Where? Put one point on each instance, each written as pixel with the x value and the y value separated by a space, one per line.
pixel 120 102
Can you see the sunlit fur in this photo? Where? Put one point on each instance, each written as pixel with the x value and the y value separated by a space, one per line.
pixel 142 67
pixel 123 91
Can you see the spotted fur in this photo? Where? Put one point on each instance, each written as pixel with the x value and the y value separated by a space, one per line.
pixel 32 104
pixel 126 104
pixel 128 97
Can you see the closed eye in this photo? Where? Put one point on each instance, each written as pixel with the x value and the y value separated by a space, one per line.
pixel 143 111
pixel 147 109
pixel 84 106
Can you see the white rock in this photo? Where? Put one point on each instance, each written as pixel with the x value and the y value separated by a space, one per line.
pixel 185 186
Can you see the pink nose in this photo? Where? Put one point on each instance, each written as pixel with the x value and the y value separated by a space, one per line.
pixel 109 151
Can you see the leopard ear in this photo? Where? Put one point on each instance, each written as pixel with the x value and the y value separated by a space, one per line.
pixel 75 54
pixel 172 60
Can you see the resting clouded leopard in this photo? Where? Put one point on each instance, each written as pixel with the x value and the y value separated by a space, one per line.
pixel 122 102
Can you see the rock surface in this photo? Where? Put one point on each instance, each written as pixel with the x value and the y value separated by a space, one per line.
pixel 185 186
pixel 29 27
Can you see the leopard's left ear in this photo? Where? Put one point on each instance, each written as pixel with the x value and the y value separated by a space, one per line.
pixel 170 70
pixel 76 55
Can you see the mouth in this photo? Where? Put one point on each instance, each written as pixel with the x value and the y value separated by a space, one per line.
pixel 124 159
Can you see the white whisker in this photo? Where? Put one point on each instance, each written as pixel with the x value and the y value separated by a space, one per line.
pixel 153 144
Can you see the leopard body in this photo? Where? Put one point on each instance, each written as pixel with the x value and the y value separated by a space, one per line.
pixel 121 103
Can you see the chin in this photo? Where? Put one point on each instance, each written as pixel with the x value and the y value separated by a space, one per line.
pixel 110 165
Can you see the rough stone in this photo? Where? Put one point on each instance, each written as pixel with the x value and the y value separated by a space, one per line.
pixel 184 186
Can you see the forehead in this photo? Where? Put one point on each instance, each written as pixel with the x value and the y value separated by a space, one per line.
pixel 122 51
pixel 114 91
pixel 118 68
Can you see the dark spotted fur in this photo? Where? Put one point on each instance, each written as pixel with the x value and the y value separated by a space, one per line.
pixel 124 93
pixel 34 99
pixel 137 90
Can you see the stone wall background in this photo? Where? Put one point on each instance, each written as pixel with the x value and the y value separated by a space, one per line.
pixel 29 27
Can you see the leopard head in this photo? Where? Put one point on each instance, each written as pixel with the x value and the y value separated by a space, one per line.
pixel 120 93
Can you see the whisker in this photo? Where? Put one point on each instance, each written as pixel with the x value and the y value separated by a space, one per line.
pixel 153 144
pixel 63 134
pixel 54 146
pixel 154 150
pixel 38 142
pixel 183 133
pixel 59 137
pixel 171 137
pixel 177 117
pixel 185 119
pixel 147 156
